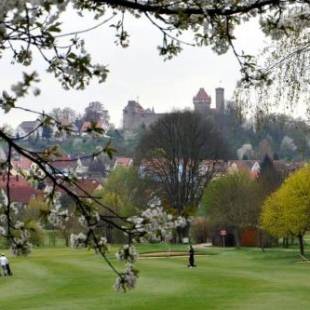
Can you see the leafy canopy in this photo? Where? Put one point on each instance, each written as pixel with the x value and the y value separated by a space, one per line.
pixel 287 211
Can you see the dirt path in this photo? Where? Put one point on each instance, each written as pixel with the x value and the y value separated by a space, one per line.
pixel 202 245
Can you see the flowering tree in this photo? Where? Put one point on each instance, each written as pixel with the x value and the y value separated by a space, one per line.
pixel 156 224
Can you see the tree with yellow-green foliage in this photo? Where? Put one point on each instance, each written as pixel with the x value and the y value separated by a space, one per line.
pixel 287 211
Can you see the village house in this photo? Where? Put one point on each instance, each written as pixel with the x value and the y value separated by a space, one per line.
pixel 29 129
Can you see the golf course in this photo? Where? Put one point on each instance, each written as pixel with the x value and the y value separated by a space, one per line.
pixel 64 278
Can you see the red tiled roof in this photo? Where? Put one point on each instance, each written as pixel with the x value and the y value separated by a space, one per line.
pixel 16 181
pixel 123 161
pixel 63 163
pixel 202 95
pixel 89 185
pixel 22 163
pixel 20 189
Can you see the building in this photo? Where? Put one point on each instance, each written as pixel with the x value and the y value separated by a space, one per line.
pixel 202 102
pixel 28 129
pixel 123 162
pixel 135 116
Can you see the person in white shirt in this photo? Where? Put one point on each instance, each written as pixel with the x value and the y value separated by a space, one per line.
pixel 4 263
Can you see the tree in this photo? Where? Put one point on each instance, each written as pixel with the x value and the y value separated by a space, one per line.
pixel 232 201
pixel 214 23
pixel 126 191
pixel 96 112
pixel 285 135
pixel 65 115
pixel 269 180
pixel 28 220
pixel 264 148
pixel 174 153
pixel 72 225
pixel 269 177
pixel 127 194
pixel 286 65
pixel 69 115
pixel 286 211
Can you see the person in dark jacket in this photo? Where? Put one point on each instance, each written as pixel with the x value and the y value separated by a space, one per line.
pixel 191 259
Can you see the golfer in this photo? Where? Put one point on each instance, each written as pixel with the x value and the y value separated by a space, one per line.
pixel 4 263
pixel 191 260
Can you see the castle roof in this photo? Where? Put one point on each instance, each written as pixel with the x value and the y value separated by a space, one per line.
pixel 134 106
pixel 202 95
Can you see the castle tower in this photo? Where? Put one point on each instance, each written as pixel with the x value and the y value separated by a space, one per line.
pixel 131 113
pixel 219 100
pixel 202 102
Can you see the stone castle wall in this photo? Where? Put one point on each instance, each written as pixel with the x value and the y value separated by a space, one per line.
pixel 133 121
pixel 135 116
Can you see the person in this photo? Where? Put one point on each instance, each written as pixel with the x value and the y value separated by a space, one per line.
pixel 191 259
pixel 4 263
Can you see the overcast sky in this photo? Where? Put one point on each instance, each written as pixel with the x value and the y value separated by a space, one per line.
pixel 137 72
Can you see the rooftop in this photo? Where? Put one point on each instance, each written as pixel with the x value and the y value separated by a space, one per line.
pixel 202 95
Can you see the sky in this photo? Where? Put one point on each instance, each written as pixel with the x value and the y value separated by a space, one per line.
pixel 137 72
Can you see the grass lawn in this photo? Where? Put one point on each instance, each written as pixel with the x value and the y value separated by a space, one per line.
pixel 230 279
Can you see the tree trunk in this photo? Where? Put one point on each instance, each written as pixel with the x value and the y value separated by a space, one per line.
pixel 52 238
pixel 179 235
pixel 183 232
pixel 285 242
pixel 108 233
pixel 67 239
pixel 261 239
pixel 301 244
pixel 237 237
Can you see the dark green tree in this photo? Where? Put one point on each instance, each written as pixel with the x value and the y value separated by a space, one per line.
pixel 232 201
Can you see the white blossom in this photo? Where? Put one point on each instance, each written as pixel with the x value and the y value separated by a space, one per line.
pixel 155 224
pixel 126 280
pixel 78 240
pixel 127 253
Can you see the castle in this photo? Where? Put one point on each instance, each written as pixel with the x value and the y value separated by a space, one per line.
pixel 135 116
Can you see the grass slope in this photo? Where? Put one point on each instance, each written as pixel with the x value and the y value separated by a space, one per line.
pixel 76 279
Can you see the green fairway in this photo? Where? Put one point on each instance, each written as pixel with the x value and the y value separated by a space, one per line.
pixel 228 279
